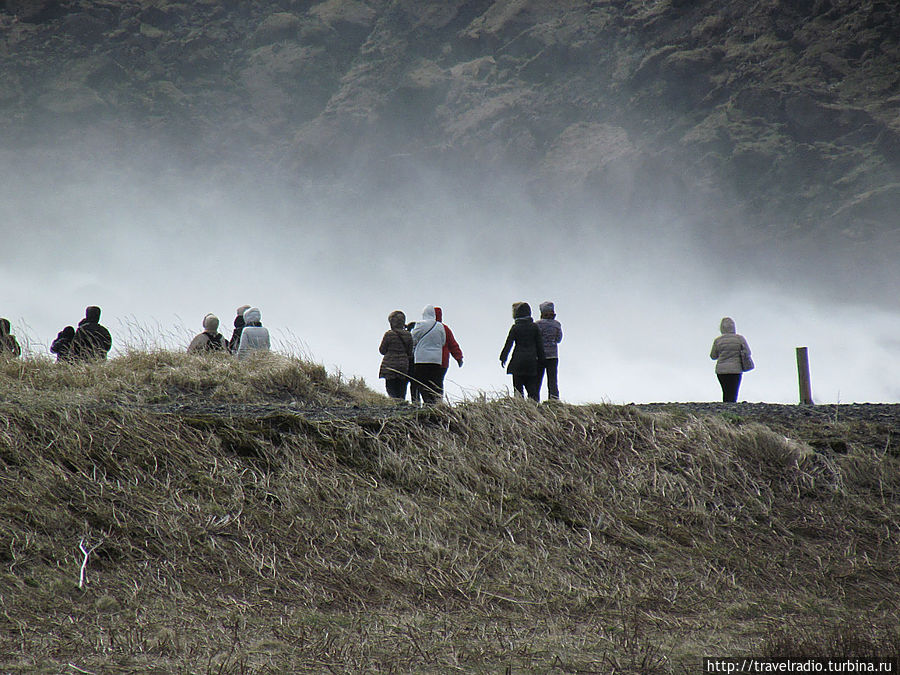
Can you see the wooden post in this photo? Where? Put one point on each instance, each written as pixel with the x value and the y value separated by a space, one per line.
pixel 803 376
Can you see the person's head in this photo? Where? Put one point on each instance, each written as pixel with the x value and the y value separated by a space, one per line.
pixel 5 327
pixel 252 315
pixel 242 309
pixel 210 323
pixel 438 314
pixel 521 310
pixel 397 319
pixel 67 333
pixel 726 325
pixel 428 313
pixel 92 314
pixel 547 310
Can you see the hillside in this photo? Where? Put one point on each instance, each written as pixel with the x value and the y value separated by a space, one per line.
pixel 767 125
pixel 231 530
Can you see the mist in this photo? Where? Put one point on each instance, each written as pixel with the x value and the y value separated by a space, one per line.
pixel 640 298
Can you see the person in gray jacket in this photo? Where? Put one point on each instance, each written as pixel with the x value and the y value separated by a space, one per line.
pixel 732 355
pixel 254 337
pixel 551 332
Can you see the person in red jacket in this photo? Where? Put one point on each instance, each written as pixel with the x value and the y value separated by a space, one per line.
pixel 451 347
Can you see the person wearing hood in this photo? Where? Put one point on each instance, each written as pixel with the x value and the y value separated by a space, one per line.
pixel 254 337
pixel 732 356
pixel 9 346
pixel 451 347
pixel 91 340
pixel 428 337
pixel 210 340
pixel 397 349
pixel 528 354
pixel 62 345
pixel 235 340
pixel 551 332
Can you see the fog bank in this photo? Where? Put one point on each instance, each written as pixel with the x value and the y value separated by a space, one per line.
pixel 640 301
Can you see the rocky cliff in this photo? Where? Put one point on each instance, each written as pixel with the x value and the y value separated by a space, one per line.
pixel 783 114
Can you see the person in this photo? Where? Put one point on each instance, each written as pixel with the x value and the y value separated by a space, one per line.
pixel 62 345
pixel 210 340
pixel 428 344
pixel 551 332
pixel 528 353
pixel 9 346
pixel 732 356
pixel 254 337
pixel 91 340
pixel 235 340
pixel 397 349
pixel 451 347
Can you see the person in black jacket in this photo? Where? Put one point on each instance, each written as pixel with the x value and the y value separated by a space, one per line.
pixel 62 345
pixel 91 341
pixel 9 346
pixel 239 324
pixel 528 353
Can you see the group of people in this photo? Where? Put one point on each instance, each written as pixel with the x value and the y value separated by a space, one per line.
pixel 90 341
pixel 416 355
pixel 248 336
pixel 419 353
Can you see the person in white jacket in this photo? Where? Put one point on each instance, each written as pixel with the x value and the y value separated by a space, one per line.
pixel 428 351
pixel 254 337
pixel 732 356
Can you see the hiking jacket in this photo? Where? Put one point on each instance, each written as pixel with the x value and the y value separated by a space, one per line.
pixel 529 345
pixel 451 346
pixel 62 345
pixel 551 333
pixel 208 342
pixel 397 349
pixel 428 338
pixel 254 337
pixel 726 349
pixel 91 341
pixel 9 346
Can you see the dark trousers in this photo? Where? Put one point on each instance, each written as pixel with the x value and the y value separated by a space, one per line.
pixel 529 383
pixel 552 368
pixel 396 387
pixel 429 383
pixel 730 382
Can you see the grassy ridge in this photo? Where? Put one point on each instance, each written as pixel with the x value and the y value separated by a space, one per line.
pixel 488 535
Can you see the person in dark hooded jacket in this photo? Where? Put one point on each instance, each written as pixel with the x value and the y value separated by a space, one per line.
pixel 9 346
pixel 62 345
pixel 528 353
pixel 91 340
pixel 397 349
pixel 239 324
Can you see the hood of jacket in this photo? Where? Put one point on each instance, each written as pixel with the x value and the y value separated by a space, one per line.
pixel 252 315
pixel 428 314
pixel 726 326
pixel 521 310
pixel 397 320
pixel 210 323
pixel 438 314
pixel 92 314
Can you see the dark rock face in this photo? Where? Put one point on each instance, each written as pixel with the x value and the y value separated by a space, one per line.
pixel 785 114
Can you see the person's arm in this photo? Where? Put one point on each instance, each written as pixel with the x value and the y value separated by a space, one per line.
pixel 714 352
pixel 506 347
pixel 198 343
pixel 453 346
pixel 385 343
pixel 539 340
pixel 559 334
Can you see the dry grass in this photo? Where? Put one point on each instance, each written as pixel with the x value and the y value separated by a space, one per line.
pixel 486 536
